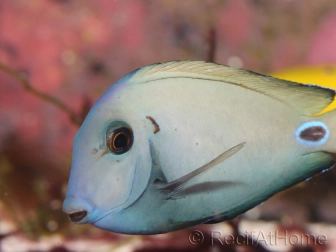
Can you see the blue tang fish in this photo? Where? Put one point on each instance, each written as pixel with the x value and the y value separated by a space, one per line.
pixel 177 144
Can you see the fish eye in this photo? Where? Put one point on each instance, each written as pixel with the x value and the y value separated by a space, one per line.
pixel 119 137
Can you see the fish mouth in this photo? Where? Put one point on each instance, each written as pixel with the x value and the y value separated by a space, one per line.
pixel 78 216
pixel 78 209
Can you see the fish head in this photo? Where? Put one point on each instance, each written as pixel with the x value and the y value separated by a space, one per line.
pixel 111 163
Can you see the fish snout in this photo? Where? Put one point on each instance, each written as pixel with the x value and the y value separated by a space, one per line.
pixel 78 209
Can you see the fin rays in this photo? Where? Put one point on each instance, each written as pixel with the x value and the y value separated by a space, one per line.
pixel 307 99
pixel 175 186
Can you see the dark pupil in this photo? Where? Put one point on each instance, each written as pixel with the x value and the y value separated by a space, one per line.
pixel 120 140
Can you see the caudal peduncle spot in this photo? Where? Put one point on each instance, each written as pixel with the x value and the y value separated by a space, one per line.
pixel 312 133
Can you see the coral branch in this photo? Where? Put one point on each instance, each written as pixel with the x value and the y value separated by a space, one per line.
pixel 76 119
pixel 211 45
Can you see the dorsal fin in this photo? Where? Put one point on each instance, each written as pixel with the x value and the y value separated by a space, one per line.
pixel 308 99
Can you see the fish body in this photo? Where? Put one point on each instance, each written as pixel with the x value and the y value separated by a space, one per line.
pixel 177 144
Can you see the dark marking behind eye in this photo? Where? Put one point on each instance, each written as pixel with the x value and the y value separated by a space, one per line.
pixel 313 134
pixel 156 126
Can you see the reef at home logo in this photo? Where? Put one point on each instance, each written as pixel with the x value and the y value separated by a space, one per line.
pixel 272 238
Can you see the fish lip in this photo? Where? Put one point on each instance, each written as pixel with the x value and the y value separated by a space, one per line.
pixel 76 217
pixel 73 205
pixel 84 220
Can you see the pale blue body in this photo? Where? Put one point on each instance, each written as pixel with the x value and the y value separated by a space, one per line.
pixel 204 112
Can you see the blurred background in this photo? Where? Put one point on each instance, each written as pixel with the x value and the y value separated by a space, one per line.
pixel 69 52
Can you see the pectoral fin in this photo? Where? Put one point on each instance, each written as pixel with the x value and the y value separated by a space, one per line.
pixel 177 185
